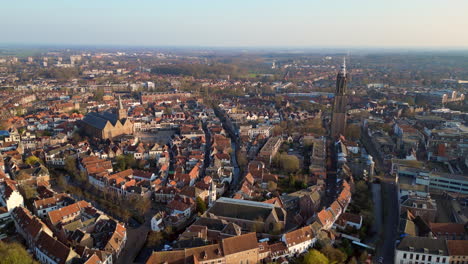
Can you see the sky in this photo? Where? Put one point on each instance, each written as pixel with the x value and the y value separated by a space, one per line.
pixel 237 23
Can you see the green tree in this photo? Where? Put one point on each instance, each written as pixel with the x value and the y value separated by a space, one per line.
pixel 124 162
pixel 289 163
pixel 98 94
pixel 31 160
pixel 201 205
pixel 14 253
pixel 28 191
pixel 333 254
pixel 315 257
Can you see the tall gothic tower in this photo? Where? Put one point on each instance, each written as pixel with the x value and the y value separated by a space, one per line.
pixel 338 124
pixel 121 112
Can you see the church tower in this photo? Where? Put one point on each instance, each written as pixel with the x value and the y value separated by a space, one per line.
pixel 338 124
pixel 121 112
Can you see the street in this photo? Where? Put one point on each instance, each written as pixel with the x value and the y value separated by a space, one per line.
pixel 386 207
pixel 386 247
pixel 136 238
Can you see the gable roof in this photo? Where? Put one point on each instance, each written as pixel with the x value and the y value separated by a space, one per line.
pixel 56 216
pixel 298 236
pixel 447 228
pixel 240 243
pixel 53 248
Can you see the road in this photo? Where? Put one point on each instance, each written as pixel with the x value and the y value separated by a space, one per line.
pixel 235 142
pixel 136 238
pixel 387 205
pixel 386 247
pixel 378 214
pixel 331 181
pixel 207 161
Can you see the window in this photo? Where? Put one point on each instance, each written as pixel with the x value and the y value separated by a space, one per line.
pixel 417 256
pixel 404 255
pixel 429 258
pixel 423 257
pixel 411 256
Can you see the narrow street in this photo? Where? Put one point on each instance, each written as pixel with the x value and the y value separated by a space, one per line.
pixel 136 238
pixel 234 135
pixel 331 181
pixel 207 161
pixel 378 214
pixel 389 232
pixel 386 206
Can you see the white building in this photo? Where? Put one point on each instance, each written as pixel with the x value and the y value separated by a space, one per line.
pixel 300 240
pixel 157 222
pixel 9 196
pixel 421 250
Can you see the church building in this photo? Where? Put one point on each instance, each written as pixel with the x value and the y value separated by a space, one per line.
pixel 107 125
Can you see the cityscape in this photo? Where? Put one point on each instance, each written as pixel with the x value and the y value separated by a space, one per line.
pixel 236 152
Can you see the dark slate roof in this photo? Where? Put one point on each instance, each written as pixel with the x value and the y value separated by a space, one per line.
pixel 99 120
pixel 95 121
pixel 420 243
pixel 242 209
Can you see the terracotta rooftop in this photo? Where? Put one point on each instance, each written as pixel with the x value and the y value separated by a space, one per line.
pixel 457 247
pixel 240 243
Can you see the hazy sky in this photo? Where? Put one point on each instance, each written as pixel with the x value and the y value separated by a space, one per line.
pixel 301 23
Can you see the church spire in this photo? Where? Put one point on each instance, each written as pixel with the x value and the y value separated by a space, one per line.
pixel 343 67
pixel 120 103
pixel 121 111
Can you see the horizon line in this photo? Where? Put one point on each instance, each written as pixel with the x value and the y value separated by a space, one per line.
pixel 230 47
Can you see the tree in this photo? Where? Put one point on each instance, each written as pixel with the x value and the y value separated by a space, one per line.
pixel 28 191
pixel 289 163
pixel 70 166
pixel 62 181
pixel 333 254
pixel 124 162
pixel 201 205
pixel 154 239
pixel 31 160
pixel 98 94
pixel 14 253
pixel 363 257
pixel 143 205
pixel 315 257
